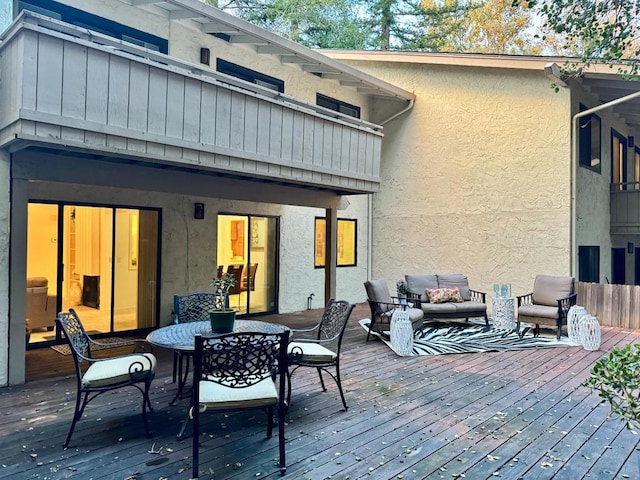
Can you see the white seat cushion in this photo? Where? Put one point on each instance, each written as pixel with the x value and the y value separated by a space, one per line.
pixel 115 370
pixel 218 397
pixel 311 352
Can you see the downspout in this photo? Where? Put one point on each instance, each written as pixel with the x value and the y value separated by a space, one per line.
pixel 574 169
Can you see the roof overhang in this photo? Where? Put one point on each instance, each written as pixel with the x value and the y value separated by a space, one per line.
pixel 212 20
pixel 603 81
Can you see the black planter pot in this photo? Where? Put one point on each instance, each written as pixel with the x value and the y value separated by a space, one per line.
pixel 222 321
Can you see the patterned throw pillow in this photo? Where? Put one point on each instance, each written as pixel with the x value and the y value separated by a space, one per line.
pixel 443 295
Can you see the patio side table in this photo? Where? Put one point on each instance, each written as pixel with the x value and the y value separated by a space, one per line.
pixel 504 313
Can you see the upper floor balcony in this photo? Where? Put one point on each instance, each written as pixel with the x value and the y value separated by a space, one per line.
pixel 625 208
pixel 66 87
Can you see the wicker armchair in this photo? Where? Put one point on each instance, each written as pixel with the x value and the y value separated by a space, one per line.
pixel 548 304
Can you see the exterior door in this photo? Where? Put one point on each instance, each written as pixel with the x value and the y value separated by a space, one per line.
pixel 92 260
pixel 247 247
pixel 618 259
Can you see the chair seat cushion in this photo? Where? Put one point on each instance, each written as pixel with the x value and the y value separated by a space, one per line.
pixel 541 311
pixel 310 352
pixel 116 370
pixel 216 396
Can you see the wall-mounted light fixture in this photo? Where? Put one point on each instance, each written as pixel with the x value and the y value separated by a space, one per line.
pixel 631 141
pixel 205 56
pixel 629 247
pixel 198 211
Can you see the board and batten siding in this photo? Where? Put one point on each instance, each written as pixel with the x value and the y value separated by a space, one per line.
pixel 73 92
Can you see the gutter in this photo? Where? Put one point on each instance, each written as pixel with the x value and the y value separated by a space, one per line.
pixel 573 248
pixel 396 115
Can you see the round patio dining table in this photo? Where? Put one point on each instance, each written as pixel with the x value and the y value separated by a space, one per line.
pixel 181 337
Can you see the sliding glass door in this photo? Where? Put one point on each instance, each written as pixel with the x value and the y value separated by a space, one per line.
pixel 100 260
pixel 248 249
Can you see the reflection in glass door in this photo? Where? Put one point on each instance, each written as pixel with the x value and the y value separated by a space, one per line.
pixel 108 263
pixel 247 248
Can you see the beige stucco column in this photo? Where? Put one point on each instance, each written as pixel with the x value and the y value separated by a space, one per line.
pixel 5 161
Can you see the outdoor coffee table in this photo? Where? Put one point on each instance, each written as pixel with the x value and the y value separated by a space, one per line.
pixel 182 337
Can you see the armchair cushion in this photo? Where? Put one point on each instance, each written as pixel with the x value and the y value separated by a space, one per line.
pixel 378 290
pixel 420 283
pixel 548 289
pixel 538 311
pixel 456 280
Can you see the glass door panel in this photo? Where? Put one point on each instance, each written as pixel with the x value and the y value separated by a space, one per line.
pixel 247 248
pixel 86 283
pixel 42 271
pixel 108 263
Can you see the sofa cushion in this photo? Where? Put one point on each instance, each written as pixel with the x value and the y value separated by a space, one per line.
pixel 378 290
pixel 443 295
pixel 548 289
pixel 419 284
pixel 433 309
pixel 471 307
pixel 456 280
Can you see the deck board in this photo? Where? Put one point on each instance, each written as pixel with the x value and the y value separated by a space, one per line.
pixel 518 414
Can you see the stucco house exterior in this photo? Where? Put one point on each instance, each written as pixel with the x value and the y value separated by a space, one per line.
pixel 144 144
pixel 483 177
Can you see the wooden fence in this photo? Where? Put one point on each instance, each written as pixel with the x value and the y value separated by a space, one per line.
pixel 613 305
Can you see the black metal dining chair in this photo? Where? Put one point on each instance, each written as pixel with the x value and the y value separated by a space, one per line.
pixel 192 307
pixel 95 376
pixel 240 371
pixel 323 351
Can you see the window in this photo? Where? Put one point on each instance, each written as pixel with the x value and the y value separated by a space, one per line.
pixel 93 22
pixel 589 264
pixel 337 105
pixel 347 236
pixel 589 134
pixel 618 160
pixel 249 75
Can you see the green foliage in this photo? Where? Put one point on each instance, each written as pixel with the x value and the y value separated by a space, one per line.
pixel 604 31
pixel 223 283
pixel 616 378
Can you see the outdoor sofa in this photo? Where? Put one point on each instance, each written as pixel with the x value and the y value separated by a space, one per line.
pixel 470 304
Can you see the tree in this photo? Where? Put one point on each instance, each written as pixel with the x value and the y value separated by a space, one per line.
pixel 605 30
pixel 313 23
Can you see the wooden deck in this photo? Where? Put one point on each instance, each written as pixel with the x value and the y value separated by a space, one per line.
pixel 511 415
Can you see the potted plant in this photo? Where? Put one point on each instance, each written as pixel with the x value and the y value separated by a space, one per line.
pixel 222 317
pixel 616 378
pixel 402 290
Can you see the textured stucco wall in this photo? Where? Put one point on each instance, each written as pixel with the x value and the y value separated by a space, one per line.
pixel 4 266
pixel 593 192
pixel 476 177
pixel 188 251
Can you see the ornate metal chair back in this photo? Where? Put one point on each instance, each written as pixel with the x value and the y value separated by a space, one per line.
pixel 195 307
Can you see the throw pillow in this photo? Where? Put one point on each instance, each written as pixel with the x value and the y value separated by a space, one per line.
pixel 443 295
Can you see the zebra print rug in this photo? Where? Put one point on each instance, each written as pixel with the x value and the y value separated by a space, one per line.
pixel 443 338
